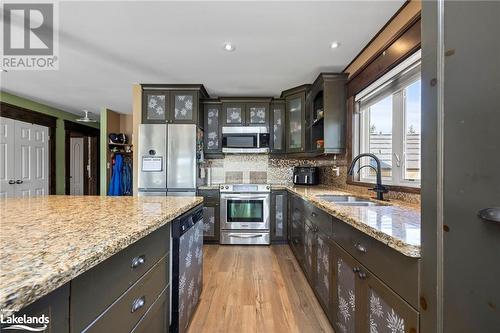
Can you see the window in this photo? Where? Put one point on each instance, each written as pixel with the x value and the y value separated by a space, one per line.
pixel 387 124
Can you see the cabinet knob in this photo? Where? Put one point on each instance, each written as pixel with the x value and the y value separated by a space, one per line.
pixel 138 261
pixel 12 182
pixel 355 270
pixel 487 214
pixel 360 248
pixel 19 181
pixel 313 214
pixel 362 275
pixel 138 303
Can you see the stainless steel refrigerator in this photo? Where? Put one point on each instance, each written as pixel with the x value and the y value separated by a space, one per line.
pixel 168 159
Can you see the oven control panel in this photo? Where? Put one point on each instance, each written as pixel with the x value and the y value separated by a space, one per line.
pixel 245 188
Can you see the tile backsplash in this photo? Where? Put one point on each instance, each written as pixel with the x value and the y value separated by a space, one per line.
pixel 260 168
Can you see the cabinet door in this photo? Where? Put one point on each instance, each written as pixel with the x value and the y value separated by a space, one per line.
pixel 184 107
pixel 278 216
pixel 297 234
pixel 233 114
pixel 309 251
pixel 295 106
pixel 211 222
pixel 324 271
pixel 386 311
pixel 212 134
pixel 155 107
pixel 346 292
pixel 257 114
pixel 278 127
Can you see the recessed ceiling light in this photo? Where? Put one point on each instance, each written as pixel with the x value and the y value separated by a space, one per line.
pixel 229 47
pixel 334 45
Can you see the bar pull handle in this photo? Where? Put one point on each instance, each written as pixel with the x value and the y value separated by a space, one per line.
pixel 490 214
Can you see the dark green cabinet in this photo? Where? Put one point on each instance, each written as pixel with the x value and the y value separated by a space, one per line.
pixel 245 111
pixel 212 134
pixel 173 104
pixel 211 215
pixel 324 272
pixel 295 104
pixel 185 106
pixel 155 106
pixel 233 114
pixel 277 126
pixel 257 114
pixel 279 215
pixel 297 232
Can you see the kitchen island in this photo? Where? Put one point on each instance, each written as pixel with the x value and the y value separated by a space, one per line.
pixel 49 241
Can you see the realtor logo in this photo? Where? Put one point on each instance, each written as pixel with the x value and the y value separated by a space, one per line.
pixel 29 36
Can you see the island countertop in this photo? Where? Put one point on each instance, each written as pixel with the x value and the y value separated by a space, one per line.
pixel 47 241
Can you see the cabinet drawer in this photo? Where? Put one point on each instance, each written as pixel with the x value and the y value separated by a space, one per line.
pixel 319 218
pixel 127 310
pixel 209 196
pixel 114 276
pixel 156 319
pixel 395 269
pixel 298 204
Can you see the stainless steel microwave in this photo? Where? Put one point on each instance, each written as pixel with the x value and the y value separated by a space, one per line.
pixel 245 139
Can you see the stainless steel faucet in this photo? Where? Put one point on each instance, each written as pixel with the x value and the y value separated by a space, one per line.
pixel 379 188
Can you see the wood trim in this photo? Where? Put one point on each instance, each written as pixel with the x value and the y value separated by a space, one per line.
pixel 377 34
pixel 393 188
pixel 22 114
pixel 86 131
pixel 29 116
pixel 404 43
pixel 349 128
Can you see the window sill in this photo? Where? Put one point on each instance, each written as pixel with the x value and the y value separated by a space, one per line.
pixel 394 188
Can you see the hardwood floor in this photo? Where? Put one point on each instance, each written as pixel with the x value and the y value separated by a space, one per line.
pixel 256 289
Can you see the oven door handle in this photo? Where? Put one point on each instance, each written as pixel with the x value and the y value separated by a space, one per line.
pixel 245 236
pixel 242 197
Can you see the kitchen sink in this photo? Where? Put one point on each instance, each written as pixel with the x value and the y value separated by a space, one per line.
pixel 347 200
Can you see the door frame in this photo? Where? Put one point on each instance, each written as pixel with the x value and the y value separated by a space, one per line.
pixel 33 117
pixel 74 129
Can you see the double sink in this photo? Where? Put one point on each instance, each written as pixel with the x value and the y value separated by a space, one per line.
pixel 347 200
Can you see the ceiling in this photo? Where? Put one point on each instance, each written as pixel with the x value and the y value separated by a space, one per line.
pixel 106 47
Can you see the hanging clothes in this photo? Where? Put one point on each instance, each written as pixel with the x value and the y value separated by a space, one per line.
pixel 127 176
pixel 115 182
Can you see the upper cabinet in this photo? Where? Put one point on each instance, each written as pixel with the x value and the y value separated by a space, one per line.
pixel 295 101
pixel 277 126
pixel 212 126
pixel 245 111
pixel 176 104
pixel 325 123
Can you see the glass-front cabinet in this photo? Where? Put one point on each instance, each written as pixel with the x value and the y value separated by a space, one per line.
pixel 185 107
pixel 212 134
pixel 295 104
pixel 257 114
pixel 277 121
pixel 279 203
pixel 233 114
pixel 155 106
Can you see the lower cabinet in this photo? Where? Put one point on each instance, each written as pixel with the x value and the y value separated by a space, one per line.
pixel 279 214
pixel 363 303
pixel 354 299
pixel 211 215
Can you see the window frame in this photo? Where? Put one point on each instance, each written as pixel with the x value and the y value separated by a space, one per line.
pixel 393 83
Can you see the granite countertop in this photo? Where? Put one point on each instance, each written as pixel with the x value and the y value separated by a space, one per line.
pixel 395 223
pixel 47 241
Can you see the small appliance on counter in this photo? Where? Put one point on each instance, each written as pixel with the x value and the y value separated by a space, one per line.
pixel 305 175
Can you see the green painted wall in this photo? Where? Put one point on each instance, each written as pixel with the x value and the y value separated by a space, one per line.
pixel 60 135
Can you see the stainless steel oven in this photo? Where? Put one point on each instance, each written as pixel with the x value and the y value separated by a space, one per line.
pixel 245 213
pixel 245 139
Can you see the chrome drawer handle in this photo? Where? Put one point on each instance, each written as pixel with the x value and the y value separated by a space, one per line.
pixel 488 214
pixel 360 248
pixel 138 303
pixel 362 275
pixel 12 182
pixel 245 236
pixel 138 261
pixel 19 181
pixel 314 214
pixel 355 270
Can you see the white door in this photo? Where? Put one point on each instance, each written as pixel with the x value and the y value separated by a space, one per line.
pixel 76 166
pixel 7 176
pixel 24 169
